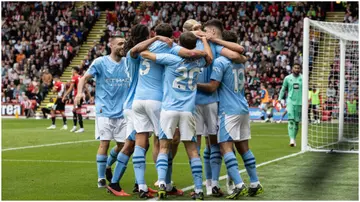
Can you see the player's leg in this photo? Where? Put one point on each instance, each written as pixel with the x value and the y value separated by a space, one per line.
pixel 75 119
pixel 80 118
pixel 118 132
pixel 210 117
pixel 168 122
pixel 170 189
pixel 53 118
pixel 248 157
pixel 61 108
pixel 291 124
pixel 229 131
pixel 187 135
pixel 202 131
pixel 297 119
pixel 145 112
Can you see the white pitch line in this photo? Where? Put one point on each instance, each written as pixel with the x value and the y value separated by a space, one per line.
pixel 81 141
pixel 241 171
pixel 69 161
pixel 47 145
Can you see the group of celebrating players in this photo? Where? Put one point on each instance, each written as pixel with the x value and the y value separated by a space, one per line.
pixel 179 92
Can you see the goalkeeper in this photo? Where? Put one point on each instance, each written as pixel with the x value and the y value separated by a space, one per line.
pixel 293 84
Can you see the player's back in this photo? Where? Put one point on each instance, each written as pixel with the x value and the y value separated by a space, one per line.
pixel 112 84
pixel 180 82
pixel 231 90
pixel 150 83
pixel 205 74
pixel 132 68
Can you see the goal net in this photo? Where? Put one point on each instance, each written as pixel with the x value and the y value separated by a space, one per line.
pixel 330 114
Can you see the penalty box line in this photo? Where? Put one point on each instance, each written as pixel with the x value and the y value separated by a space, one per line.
pixel 241 171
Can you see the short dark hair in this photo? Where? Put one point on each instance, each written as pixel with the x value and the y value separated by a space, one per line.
pixel 164 29
pixel 215 23
pixel 76 69
pixel 230 36
pixel 188 40
pixel 297 64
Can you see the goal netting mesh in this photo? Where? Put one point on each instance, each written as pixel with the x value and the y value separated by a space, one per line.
pixel 331 123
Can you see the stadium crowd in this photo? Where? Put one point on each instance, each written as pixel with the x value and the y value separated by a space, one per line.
pixel 40 39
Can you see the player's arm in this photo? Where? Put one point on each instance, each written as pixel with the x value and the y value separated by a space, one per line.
pixel 148 55
pixel 210 87
pixel 81 85
pixel 233 56
pixel 209 57
pixel 145 44
pixel 283 89
pixel 227 44
pixel 186 53
pixel 68 91
pixel 216 78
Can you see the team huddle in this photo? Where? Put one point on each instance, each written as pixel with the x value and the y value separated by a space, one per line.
pixel 178 92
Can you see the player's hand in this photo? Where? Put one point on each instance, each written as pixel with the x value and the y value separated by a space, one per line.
pixel 166 40
pixel 196 27
pixel 63 99
pixel 199 33
pixel 210 37
pixel 78 99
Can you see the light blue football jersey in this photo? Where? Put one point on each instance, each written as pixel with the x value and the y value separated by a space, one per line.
pixel 180 81
pixel 112 86
pixel 150 84
pixel 205 74
pixel 132 65
pixel 231 90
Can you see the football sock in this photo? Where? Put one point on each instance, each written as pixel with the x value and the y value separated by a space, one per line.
pixel 122 161
pixel 64 120
pixel 169 170
pixel 232 167
pixel 139 166
pixel 162 167
pixel 196 170
pixel 53 120
pixel 81 123
pixel 111 157
pixel 101 165
pixel 207 166
pixel 250 165
pixel 215 162
pixel 296 128
pixel 75 118
pixel 291 129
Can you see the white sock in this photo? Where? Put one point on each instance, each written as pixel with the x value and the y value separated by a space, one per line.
pixel 214 183
pixel 169 187
pixel 239 185
pixel 208 182
pixel 254 184
pixel 143 187
pixel 198 190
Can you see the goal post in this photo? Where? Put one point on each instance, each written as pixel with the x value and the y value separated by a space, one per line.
pixel 331 73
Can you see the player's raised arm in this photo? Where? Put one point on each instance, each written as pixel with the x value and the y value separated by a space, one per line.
pixel 209 87
pixel 186 53
pixel 227 44
pixel 148 55
pixel 209 57
pixel 145 44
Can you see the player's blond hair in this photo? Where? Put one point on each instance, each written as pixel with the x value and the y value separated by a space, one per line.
pixel 189 24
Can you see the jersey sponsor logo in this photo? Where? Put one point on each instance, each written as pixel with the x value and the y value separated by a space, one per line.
pixel 296 86
pixel 117 81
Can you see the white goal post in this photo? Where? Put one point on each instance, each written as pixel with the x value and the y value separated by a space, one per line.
pixel 331 73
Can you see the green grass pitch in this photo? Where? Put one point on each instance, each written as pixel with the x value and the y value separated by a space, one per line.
pixel 68 171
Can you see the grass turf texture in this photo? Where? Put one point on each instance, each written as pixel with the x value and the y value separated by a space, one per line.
pixel 68 172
